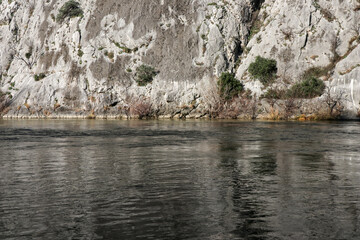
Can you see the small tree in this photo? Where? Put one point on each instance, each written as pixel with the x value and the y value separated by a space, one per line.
pixel 334 101
pixel 29 59
pixel 70 9
pixel 263 69
pixel 145 74
pixel 229 86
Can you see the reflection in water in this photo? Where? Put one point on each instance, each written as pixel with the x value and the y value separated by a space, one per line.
pixel 179 180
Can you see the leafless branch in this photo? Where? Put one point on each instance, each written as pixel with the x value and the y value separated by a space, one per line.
pixel 334 101
pixel 29 59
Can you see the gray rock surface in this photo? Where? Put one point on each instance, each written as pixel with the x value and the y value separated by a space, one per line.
pixel 90 62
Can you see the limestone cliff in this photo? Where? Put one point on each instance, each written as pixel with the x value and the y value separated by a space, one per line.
pixel 86 65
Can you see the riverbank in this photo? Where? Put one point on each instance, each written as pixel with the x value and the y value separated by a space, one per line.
pixel 269 117
pixel 239 108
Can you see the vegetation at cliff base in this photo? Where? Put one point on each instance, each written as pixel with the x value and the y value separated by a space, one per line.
pixel 263 69
pixel 145 74
pixel 229 86
pixel 70 9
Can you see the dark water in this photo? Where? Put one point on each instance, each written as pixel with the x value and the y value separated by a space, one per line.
pixel 179 180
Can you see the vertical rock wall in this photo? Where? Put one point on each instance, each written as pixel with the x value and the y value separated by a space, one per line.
pixel 88 64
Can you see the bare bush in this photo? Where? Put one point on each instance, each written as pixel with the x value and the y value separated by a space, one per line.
pixel 290 106
pixel 288 33
pixel 230 109
pixel 213 100
pixel 253 106
pixel 244 105
pixel 4 103
pixel 141 107
pixel 29 58
pixel 334 101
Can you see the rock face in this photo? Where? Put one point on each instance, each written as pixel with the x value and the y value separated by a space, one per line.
pixel 85 66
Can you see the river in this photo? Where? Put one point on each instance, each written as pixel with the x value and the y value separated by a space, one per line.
pixel 93 179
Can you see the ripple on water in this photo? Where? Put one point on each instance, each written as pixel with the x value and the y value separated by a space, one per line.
pixel 179 180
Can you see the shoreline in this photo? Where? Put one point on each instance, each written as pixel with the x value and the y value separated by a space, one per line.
pixel 300 118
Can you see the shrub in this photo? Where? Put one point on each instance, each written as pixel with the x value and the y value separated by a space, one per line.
pixel 274 93
pixel 229 86
pixel 28 55
pixel 255 28
pixel 145 74
pixel 263 69
pixel 314 72
pixel 307 88
pixel 111 55
pixel 70 9
pixel 38 77
pixel 80 53
pixel 126 49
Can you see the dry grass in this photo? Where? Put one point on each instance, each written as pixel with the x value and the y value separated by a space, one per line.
pixel 46 113
pixel 106 108
pixel 288 34
pixel 274 114
pixel 27 105
pixel 56 106
pixel 92 99
pixel 91 115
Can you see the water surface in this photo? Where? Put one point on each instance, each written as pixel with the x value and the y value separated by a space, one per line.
pixel 179 180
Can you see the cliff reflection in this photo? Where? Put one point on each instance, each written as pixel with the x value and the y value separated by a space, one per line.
pixel 178 180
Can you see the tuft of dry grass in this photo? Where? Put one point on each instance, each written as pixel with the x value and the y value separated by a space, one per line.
pixel 56 106
pixel 46 113
pixel 91 115
pixel 27 105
